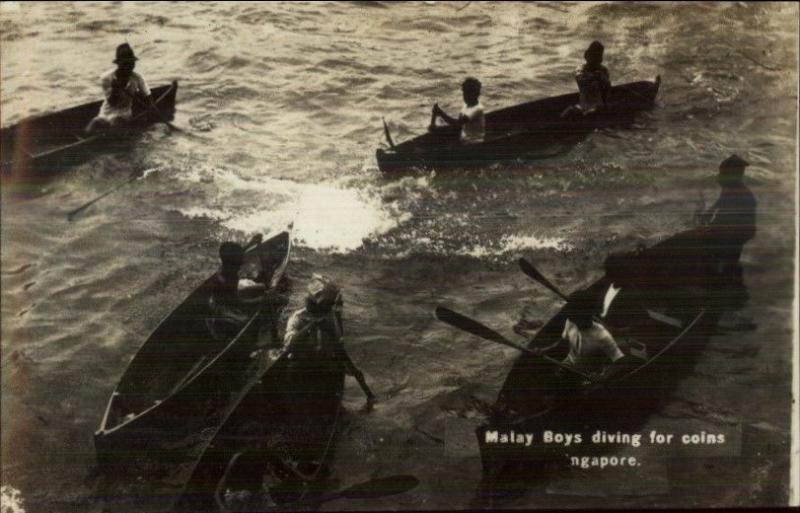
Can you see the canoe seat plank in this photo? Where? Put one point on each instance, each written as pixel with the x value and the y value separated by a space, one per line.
pixel 663 318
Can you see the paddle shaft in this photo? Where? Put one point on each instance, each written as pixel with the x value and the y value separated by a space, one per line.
pixel 71 214
pixel 154 109
pixel 531 271
pixel 472 326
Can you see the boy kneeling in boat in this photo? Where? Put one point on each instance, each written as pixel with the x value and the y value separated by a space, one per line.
pixel 120 87
pixel 591 345
pixel 471 119
pixel 317 330
pixel 230 295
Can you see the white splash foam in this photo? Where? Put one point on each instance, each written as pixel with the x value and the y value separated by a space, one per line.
pixel 519 242
pixel 514 243
pixel 326 216
pixel 10 500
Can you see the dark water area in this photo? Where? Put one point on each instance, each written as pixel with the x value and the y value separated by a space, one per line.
pixel 290 99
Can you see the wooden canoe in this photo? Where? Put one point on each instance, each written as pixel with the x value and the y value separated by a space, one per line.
pixel 179 389
pixel 276 443
pixel 665 314
pixel 48 143
pixel 518 132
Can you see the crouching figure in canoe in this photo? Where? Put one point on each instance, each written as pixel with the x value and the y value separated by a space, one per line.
pixel 593 83
pixel 593 351
pixel 317 330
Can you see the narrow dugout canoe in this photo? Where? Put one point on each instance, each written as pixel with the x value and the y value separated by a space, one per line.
pixel 518 132
pixel 277 442
pixel 665 313
pixel 179 389
pixel 49 143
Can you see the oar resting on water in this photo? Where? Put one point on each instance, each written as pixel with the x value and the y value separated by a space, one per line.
pixel 72 213
pixel 463 322
pixel 372 489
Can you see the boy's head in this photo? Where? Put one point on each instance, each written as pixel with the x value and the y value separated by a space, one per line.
pixel 594 54
pixel 322 295
pixel 125 59
pixel 472 90
pixel 731 171
pixel 580 310
pixel 232 255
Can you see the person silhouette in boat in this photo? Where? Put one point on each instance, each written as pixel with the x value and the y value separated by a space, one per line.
pixel 316 331
pixel 732 218
pixel 728 225
pixel 593 83
pixel 471 119
pixel 121 88
pixel 232 297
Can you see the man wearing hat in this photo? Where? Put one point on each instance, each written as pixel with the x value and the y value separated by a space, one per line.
pixel 729 224
pixel 120 87
pixel 593 82
pixel 315 331
pixel 732 218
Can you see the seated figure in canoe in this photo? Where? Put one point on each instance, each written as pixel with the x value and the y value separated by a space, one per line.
pixel 121 88
pixel 471 118
pixel 732 218
pixel 592 348
pixel 725 228
pixel 593 83
pixel 317 330
pixel 232 296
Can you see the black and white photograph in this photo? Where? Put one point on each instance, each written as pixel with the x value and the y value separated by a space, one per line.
pixel 398 256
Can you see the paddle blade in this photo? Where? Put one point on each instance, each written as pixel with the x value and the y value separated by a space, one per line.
pixel 534 273
pixel 381 487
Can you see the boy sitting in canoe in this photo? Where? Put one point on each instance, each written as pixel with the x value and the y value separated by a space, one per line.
pixel 231 295
pixel 592 348
pixel 593 83
pixel 470 119
pixel 121 87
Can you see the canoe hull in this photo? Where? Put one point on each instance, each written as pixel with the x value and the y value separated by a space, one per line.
pixel 180 388
pixel 49 143
pixel 673 318
pixel 520 132
pixel 290 419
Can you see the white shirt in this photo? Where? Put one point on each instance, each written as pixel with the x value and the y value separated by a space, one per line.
pixel 586 346
pixel 123 107
pixel 473 129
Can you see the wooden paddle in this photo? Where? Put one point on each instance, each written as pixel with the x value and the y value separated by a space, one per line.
pixel 462 322
pixel 372 489
pixel 152 108
pixel 72 213
pixel 531 271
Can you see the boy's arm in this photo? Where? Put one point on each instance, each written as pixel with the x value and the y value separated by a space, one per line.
pixel 249 291
pixel 437 111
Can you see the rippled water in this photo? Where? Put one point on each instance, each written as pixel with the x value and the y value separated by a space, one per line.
pixel 290 99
